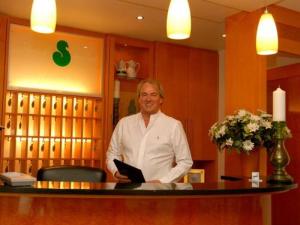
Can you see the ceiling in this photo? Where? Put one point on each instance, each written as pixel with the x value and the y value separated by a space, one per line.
pixel 119 17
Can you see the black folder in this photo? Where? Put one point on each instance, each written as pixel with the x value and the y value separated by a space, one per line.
pixel 133 173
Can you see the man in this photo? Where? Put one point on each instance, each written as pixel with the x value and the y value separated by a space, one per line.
pixel 150 140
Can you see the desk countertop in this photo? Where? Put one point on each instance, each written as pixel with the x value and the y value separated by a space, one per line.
pixel 243 187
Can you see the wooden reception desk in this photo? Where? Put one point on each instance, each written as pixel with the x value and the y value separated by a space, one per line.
pixel 59 203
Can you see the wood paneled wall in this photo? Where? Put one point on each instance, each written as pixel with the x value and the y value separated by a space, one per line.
pixel 288 78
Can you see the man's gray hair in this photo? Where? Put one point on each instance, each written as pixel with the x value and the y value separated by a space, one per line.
pixel 155 83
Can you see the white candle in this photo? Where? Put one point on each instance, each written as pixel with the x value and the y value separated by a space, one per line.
pixel 279 105
pixel 117 89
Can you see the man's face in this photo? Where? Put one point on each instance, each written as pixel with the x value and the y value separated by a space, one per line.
pixel 149 100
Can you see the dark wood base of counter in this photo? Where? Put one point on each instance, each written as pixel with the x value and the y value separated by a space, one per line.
pixel 57 210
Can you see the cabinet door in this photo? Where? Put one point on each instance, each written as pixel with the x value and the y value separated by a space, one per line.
pixel 202 102
pixel 171 69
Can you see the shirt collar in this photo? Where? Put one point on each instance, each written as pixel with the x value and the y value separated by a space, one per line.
pixel 153 118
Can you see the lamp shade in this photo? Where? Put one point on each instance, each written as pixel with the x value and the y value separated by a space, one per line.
pixel 179 20
pixel 43 16
pixel 266 35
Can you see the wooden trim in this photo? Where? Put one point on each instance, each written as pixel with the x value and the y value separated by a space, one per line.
pixel 109 95
pixel 285 16
pixel 290 46
pixel 288 32
pixel 284 72
pixel 3 66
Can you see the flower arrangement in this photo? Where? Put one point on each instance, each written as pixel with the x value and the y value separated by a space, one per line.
pixel 245 131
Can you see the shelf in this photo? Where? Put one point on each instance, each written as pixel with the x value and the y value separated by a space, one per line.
pixel 127 49
pixel 44 129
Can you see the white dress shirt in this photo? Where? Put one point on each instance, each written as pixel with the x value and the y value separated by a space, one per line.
pixel 160 150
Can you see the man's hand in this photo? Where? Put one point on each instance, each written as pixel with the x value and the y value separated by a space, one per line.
pixel 121 178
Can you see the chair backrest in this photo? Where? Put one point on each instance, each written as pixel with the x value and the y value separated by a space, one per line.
pixel 71 173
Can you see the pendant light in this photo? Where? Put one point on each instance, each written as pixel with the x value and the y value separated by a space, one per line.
pixel 43 16
pixel 179 20
pixel 266 35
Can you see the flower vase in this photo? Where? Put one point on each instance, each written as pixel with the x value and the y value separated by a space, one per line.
pixel 250 162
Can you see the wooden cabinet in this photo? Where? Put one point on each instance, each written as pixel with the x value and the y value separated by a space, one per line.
pixel 190 80
pixel 46 129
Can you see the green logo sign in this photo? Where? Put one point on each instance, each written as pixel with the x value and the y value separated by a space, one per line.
pixel 62 57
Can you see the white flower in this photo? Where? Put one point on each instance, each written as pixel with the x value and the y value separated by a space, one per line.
pixel 252 127
pixel 255 118
pixel 248 145
pixel 229 142
pixel 266 124
pixel 230 117
pixel 265 115
pixel 242 112
pixel 221 131
pixel 244 131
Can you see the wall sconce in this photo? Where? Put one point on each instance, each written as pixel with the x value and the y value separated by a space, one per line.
pixel 179 20
pixel 43 16
pixel 266 35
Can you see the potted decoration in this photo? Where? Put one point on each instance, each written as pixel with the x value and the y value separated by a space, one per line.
pixel 244 132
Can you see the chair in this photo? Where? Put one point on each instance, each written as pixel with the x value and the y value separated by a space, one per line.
pixel 71 173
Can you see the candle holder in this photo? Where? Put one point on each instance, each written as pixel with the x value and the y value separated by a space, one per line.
pixel 279 156
pixel 116 111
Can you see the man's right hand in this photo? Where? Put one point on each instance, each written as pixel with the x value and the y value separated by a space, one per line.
pixel 121 178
